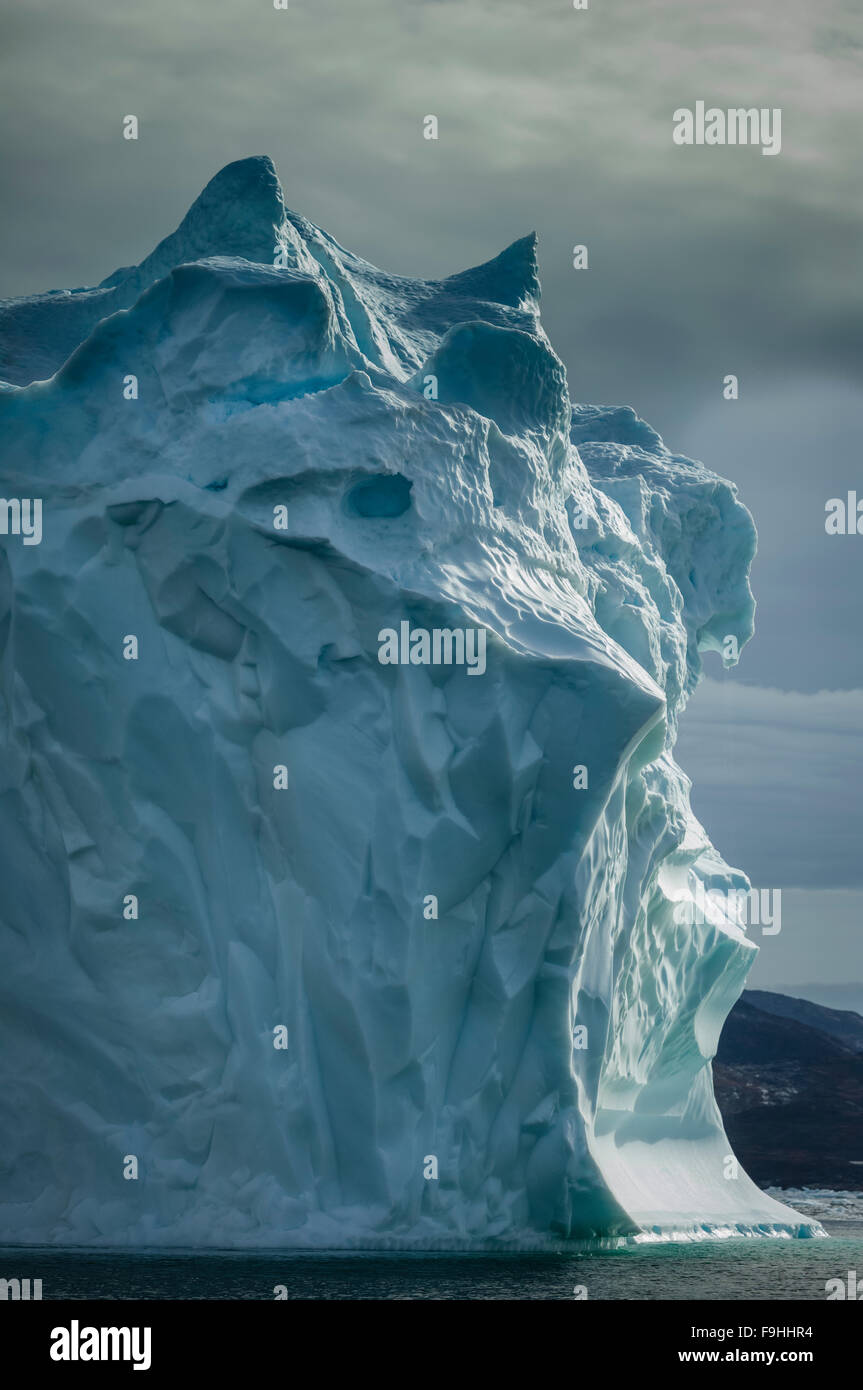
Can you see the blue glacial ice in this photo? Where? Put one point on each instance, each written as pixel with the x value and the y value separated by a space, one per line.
pixel 546 1037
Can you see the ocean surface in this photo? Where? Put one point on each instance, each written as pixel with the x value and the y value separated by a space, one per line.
pixel 706 1270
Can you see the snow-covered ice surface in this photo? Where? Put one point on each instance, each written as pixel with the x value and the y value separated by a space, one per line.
pixel 600 565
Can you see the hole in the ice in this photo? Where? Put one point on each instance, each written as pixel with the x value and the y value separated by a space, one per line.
pixel 385 494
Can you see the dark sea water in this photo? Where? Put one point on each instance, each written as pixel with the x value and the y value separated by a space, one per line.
pixel 731 1269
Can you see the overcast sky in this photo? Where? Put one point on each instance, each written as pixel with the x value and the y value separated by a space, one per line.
pixel 703 261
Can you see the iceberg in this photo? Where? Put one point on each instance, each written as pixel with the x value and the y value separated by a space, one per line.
pixel 342 840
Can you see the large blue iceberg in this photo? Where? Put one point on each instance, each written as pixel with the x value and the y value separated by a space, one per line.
pixel 342 839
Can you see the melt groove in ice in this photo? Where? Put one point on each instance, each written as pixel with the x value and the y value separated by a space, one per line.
pixel 600 566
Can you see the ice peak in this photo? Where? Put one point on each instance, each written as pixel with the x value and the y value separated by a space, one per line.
pixel 235 215
pixel 511 278
pixel 251 182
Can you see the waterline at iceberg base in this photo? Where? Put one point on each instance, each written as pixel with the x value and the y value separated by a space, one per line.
pixel 451 892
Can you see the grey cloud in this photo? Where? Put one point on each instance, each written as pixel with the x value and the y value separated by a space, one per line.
pixel 820 942
pixel 777 781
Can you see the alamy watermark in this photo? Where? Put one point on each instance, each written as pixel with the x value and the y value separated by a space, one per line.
pixel 21 516
pixel 845 1288
pixel 844 516
pixel 18 1289
pixel 77 1343
pixel 736 126
pixel 753 907
pixel 440 646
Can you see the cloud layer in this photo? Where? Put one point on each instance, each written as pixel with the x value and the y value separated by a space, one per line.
pixel 777 779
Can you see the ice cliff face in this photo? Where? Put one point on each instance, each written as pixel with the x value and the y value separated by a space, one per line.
pixel 461 907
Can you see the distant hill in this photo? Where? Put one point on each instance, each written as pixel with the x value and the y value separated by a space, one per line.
pixel 844 997
pixel 844 1024
pixel 788 1077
